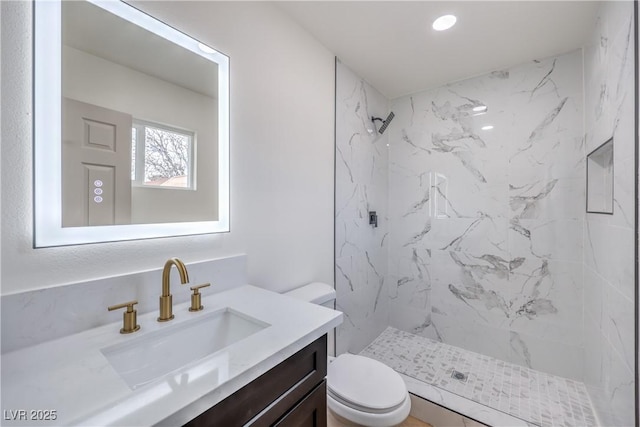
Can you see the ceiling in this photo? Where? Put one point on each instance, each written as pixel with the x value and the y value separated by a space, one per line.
pixel 392 46
pixel 90 29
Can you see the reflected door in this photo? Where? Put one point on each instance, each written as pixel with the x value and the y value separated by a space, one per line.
pixel 96 165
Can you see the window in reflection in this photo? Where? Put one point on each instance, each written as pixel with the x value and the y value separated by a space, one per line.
pixel 165 157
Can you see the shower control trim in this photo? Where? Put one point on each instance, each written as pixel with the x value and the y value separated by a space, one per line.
pixel 373 219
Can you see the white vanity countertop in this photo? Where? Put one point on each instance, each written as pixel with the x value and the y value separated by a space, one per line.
pixel 72 377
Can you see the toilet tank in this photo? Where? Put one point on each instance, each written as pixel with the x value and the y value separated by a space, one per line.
pixel 316 293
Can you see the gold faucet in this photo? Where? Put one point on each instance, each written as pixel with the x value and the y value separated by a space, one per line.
pixel 166 300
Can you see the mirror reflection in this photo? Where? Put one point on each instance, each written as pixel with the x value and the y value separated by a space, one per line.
pixel 139 124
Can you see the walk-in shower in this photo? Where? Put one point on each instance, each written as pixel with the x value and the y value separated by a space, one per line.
pixel 487 278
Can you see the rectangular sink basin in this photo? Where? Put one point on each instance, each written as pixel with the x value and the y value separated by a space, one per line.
pixel 154 355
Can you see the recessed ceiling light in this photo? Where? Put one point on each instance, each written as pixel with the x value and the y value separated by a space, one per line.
pixel 205 48
pixel 444 22
pixel 487 127
pixel 480 108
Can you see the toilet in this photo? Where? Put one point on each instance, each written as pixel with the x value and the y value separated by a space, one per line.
pixel 360 390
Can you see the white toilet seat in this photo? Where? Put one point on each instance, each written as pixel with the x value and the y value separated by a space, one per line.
pixel 371 419
pixel 366 392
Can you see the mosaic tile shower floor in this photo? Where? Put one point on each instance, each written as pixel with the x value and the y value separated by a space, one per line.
pixel 533 396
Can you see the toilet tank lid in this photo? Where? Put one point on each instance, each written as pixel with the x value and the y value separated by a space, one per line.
pixel 316 293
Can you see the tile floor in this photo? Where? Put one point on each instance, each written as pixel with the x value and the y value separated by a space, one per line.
pixel 536 397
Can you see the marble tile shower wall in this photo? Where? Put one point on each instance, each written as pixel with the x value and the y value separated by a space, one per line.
pixel 485 225
pixel 361 186
pixel 609 239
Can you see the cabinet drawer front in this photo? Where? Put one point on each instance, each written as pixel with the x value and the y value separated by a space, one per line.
pixel 264 400
pixel 311 412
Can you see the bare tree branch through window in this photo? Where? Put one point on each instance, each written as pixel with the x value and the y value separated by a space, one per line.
pixel 166 157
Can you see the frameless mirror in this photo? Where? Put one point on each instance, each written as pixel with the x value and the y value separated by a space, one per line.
pixel 131 127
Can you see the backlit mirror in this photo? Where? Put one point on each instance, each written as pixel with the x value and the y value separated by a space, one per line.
pixel 131 127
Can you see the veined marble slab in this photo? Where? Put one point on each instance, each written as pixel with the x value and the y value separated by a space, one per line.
pixel 486 214
pixel 361 186
pixel 69 309
pixel 609 353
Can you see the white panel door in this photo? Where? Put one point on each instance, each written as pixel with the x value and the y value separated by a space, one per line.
pixel 96 165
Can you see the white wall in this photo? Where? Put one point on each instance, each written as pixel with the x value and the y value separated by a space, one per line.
pixel 282 98
pixel 100 82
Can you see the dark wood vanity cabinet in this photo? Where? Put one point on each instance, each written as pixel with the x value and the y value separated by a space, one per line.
pixel 310 411
pixel 290 394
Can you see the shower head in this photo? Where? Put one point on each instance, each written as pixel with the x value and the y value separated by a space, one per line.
pixel 385 122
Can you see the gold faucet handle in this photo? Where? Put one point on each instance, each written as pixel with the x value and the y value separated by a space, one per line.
pixel 129 305
pixel 196 297
pixel 129 317
pixel 196 288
